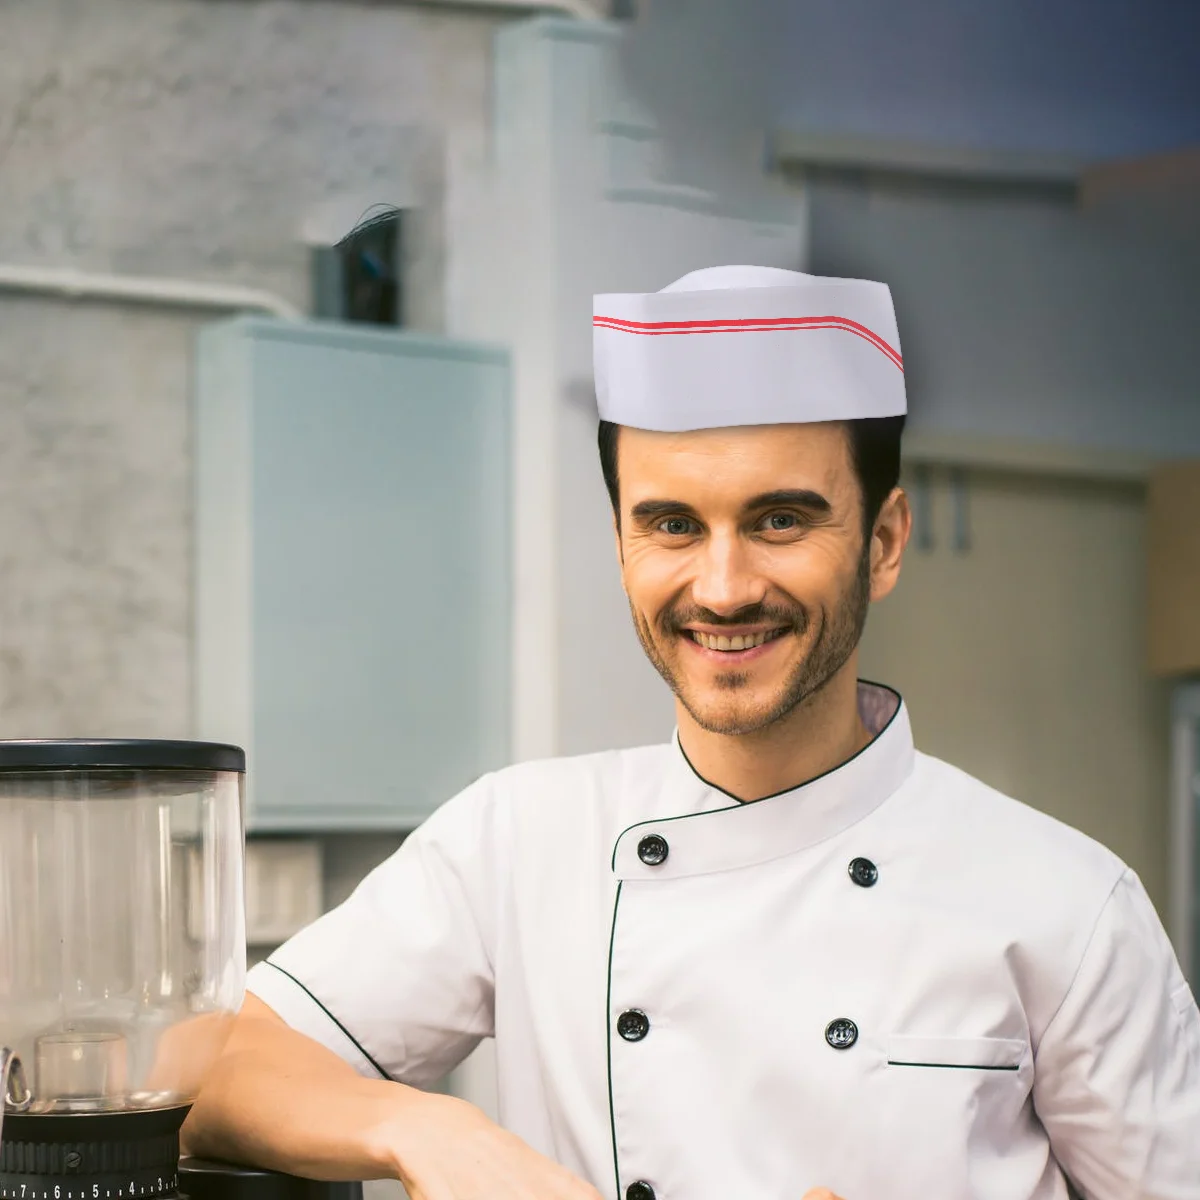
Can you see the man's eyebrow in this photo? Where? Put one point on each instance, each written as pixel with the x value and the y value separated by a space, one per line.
pixel 791 497
pixel 646 511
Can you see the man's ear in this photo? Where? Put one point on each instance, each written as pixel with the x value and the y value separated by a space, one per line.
pixel 892 530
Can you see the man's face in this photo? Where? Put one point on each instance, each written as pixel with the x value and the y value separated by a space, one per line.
pixel 744 561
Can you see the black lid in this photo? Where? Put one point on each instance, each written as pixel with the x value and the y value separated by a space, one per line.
pixel 118 754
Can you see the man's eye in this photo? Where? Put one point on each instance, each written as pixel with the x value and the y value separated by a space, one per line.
pixel 782 522
pixel 676 526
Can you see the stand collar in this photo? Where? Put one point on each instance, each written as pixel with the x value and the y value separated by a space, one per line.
pixel 712 831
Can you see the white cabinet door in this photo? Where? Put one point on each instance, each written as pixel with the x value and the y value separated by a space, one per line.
pixel 352 567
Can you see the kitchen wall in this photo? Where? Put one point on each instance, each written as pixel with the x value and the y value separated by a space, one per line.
pixel 192 139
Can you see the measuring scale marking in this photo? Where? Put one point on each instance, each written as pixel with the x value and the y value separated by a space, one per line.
pixel 93 1191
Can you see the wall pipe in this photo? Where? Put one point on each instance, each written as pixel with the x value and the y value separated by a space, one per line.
pixel 133 289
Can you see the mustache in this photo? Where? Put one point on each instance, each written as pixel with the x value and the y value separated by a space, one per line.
pixel 675 620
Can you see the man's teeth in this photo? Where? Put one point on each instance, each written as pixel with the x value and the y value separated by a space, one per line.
pixel 711 641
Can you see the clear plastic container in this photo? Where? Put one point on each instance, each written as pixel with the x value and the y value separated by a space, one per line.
pixel 122 919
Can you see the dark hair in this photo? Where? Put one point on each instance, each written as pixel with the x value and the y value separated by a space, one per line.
pixel 874 448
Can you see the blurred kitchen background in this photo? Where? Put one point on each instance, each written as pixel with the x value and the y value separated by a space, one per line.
pixel 338 500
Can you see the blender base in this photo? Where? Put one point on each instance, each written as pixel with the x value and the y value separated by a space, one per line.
pixel 131 1156
pixel 91 1156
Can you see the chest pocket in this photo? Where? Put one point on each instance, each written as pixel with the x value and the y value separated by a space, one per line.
pixel 967 1054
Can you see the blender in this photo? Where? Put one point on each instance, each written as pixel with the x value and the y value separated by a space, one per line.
pixel 122 966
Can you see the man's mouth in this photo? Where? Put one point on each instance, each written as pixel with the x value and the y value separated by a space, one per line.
pixel 736 643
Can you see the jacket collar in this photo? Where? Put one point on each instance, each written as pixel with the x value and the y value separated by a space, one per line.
pixel 711 831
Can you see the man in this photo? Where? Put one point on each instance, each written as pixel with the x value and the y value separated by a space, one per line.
pixel 784 955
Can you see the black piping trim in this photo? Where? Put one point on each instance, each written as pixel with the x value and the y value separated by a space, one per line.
pixel 668 821
pixel 357 1044
pixel 949 1066
pixel 815 778
pixel 612 1112
pixel 774 795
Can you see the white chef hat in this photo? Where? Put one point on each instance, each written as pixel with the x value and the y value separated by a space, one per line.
pixel 747 346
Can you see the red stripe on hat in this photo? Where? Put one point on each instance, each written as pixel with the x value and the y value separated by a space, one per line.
pixel 750 325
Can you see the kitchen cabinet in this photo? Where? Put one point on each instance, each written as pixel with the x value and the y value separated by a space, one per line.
pixel 352 567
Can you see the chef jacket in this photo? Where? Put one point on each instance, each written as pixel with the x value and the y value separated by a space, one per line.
pixel 891 981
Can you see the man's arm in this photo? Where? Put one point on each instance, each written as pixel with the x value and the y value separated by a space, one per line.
pixel 1117 1071
pixel 280 1100
pixel 277 1099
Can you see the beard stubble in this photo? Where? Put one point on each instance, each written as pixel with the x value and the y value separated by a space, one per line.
pixel 838 632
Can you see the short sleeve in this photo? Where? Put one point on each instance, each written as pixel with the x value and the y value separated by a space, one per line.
pixel 398 980
pixel 1117 1071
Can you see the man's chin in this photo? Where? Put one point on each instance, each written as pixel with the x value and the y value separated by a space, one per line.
pixel 719 715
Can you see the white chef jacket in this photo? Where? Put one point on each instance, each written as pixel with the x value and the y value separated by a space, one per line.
pixel 892 981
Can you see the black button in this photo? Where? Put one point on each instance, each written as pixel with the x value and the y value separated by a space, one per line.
pixel 639 1191
pixel 864 872
pixel 842 1033
pixel 633 1025
pixel 653 850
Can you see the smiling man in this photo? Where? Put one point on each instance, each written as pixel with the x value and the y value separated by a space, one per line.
pixel 784 955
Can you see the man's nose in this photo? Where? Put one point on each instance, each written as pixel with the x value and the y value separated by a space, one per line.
pixel 726 581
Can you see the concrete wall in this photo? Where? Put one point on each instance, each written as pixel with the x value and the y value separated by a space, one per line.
pixel 176 138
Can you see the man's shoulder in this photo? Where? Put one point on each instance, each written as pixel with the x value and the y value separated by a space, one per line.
pixel 569 801
pixel 575 803
pixel 604 773
pixel 1003 835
